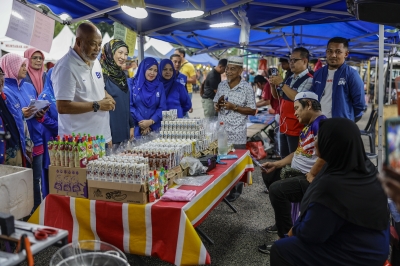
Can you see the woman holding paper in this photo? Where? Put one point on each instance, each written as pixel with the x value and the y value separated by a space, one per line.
pixel 20 94
pixel 35 75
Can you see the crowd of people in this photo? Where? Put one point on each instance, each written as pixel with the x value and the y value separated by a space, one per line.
pixel 87 96
pixel 323 164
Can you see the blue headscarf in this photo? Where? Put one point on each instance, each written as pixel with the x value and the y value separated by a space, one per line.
pixel 145 87
pixel 168 83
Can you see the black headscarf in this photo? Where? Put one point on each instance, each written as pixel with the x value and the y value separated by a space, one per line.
pixel 347 184
pixel 110 68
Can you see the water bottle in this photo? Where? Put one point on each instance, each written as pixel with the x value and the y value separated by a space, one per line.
pixel 222 140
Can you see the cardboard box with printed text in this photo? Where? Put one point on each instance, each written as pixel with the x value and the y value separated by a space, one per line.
pixel 118 192
pixel 68 181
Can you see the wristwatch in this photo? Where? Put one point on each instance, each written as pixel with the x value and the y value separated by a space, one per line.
pixel 281 85
pixel 96 106
pixel 236 108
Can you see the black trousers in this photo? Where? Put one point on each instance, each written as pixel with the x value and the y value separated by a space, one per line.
pixel 287 144
pixel 281 194
pixel 271 177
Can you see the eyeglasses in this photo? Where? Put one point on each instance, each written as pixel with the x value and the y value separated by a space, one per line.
pixel 294 60
pixel 37 58
pixel 338 52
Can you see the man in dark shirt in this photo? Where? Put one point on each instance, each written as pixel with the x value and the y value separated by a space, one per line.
pixel 210 87
pixel 285 66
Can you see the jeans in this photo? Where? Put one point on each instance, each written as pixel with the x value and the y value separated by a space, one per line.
pixel 287 144
pixel 281 194
pixel 37 165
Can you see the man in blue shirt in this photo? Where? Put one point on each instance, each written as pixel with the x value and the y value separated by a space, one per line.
pixel 339 86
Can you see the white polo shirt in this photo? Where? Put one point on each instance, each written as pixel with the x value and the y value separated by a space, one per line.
pixel 73 80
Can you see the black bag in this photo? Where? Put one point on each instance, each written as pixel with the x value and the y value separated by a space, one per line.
pixel 209 161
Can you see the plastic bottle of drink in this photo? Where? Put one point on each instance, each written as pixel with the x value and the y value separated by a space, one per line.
pixel 222 140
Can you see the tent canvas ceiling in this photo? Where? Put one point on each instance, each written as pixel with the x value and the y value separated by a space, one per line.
pixel 275 24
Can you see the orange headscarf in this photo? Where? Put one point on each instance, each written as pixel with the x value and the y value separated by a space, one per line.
pixel 36 75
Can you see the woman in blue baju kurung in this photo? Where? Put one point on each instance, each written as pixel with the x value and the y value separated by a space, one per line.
pixel 50 128
pixel 113 57
pixel 147 98
pixel 344 218
pixel 175 93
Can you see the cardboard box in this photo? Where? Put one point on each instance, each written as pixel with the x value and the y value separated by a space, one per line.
pixel 118 192
pixel 173 174
pixel 68 181
pixel 16 190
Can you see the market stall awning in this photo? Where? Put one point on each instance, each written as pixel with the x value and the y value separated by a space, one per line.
pixel 275 24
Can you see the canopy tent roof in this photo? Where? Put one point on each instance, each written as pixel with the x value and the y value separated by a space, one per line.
pixel 269 19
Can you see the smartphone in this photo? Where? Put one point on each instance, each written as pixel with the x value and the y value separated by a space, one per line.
pixel 274 71
pixel 258 163
pixel 221 100
pixel 392 144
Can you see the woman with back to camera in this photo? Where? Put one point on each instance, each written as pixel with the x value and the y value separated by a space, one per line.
pixel 113 58
pixel 344 217
pixel 16 142
pixel 176 94
pixel 147 98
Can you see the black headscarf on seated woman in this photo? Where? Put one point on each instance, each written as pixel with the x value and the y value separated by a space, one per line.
pixel 348 183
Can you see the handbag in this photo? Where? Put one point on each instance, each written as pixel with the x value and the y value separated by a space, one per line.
pixel 256 147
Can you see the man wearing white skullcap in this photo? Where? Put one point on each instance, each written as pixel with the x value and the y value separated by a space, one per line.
pixel 234 101
pixel 304 165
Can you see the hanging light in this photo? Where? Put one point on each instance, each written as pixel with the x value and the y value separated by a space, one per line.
pixel 134 8
pixel 222 24
pixel 188 13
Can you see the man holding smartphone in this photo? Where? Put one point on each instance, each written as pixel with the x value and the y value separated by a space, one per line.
pixel 300 81
pixel 234 101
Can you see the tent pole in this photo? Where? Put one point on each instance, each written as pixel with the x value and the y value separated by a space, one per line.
pixel 390 80
pixel 381 96
pixel 368 75
pixel 141 48
pixel 376 81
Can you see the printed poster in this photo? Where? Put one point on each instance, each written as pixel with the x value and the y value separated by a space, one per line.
pixel 30 27
pixel 126 35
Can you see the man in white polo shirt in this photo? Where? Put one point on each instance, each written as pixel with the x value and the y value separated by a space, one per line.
pixel 82 101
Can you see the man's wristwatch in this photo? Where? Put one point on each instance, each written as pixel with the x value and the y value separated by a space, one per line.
pixel 96 106
pixel 281 85
pixel 236 108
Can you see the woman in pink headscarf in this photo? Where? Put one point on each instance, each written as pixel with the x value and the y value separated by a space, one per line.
pixel 36 74
pixel 20 94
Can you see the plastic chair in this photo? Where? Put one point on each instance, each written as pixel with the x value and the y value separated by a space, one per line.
pixel 369 130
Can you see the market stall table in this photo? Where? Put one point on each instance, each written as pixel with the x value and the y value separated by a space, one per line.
pixel 161 229
pixel 259 123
